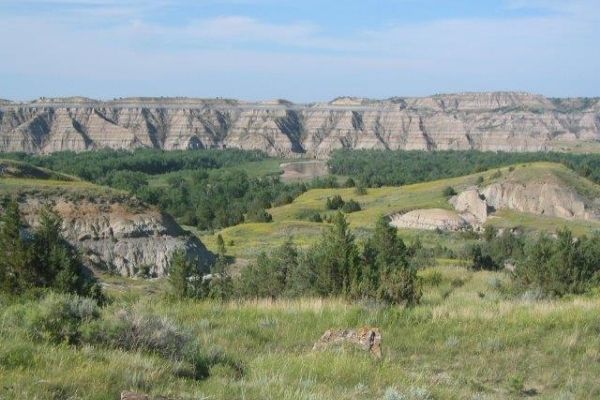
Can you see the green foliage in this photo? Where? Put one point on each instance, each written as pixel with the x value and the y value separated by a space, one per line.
pixel 315 217
pixel 480 260
pixel 490 233
pixel 219 283
pixel 58 317
pixel 41 260
pixel 377 168
pixel 400 285
pixel 561 266
pixel 349 183
pixel 336 267
pixel 100 164
pixel 180 273
pixel 449 191
pixel 350 206
pixel 334 203
pixel 268 277
pixel 258 214
pixel 132 181
pixel 17 270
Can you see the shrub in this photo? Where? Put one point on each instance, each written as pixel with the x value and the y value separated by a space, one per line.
pixel 259 215
pixel 134 329
pixel 315 217
pixel 351 206
pixel 349 183
pixel 560 266
pixel 480 260
pixel 58 317
pixel 334 203
pixel 449 191
pixel 360 190
pixel 400 285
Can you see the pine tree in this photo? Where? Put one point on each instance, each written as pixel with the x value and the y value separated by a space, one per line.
pixel 337 259
pixel 47 239
pixel 15 266
pixel 179 274
pixel 221 284
pixel 390 249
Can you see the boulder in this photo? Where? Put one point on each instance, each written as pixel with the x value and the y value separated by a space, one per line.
pixel 366 338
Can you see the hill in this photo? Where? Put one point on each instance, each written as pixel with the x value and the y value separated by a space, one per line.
pixel 293 220
pixel 115 232
pixel 507 121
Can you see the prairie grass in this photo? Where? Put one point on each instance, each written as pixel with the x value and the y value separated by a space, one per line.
pixel 468 339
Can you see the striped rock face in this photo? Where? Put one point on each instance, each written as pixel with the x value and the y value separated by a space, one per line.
pixel 128 239
pixel 480 121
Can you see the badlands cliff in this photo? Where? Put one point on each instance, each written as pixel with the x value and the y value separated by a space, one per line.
pixel 483 121
pixel 125 238
pixel 113 232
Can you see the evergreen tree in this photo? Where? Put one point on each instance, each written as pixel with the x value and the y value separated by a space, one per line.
pixel 15 265
pixel 47 239
pixel 179 274
pixel 390 248
pixel 220 284
pixel 400 285
pixel 337 258
pixel 268 277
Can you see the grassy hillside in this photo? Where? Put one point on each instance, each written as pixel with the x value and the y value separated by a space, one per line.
pixel 467 340
pixel 18 169
pixel 291 220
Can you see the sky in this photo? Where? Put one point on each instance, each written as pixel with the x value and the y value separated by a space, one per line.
pixel 300 50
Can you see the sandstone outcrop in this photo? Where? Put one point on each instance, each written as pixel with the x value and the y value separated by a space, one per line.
pixel 541 193
pixel 542 198
pixel 127 239
pixel 482 121
pixel 430 219
pixel 471 205
pixel 368 339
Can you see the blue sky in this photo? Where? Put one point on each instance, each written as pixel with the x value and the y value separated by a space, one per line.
pixel 299 50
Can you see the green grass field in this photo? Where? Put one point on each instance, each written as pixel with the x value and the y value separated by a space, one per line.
pixel 467 340
pixel 289 221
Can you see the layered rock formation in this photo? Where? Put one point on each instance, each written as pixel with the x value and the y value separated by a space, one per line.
pixel 481 121
pixel 430 219
pixel 544 195
pixel 542 198
pixel 127 239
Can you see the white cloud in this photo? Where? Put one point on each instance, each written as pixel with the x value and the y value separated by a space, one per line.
pixel 553 53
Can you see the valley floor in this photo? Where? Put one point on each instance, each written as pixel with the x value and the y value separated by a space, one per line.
pixel 468 339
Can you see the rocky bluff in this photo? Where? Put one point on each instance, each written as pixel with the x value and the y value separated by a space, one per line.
pixel 506 121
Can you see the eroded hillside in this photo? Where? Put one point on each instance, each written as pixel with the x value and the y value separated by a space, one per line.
pixel 481 121
pixel 113 231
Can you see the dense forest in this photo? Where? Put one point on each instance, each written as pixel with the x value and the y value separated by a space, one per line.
pixel 392 168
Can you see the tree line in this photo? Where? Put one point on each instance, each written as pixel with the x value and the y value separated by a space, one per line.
pixel 375 168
